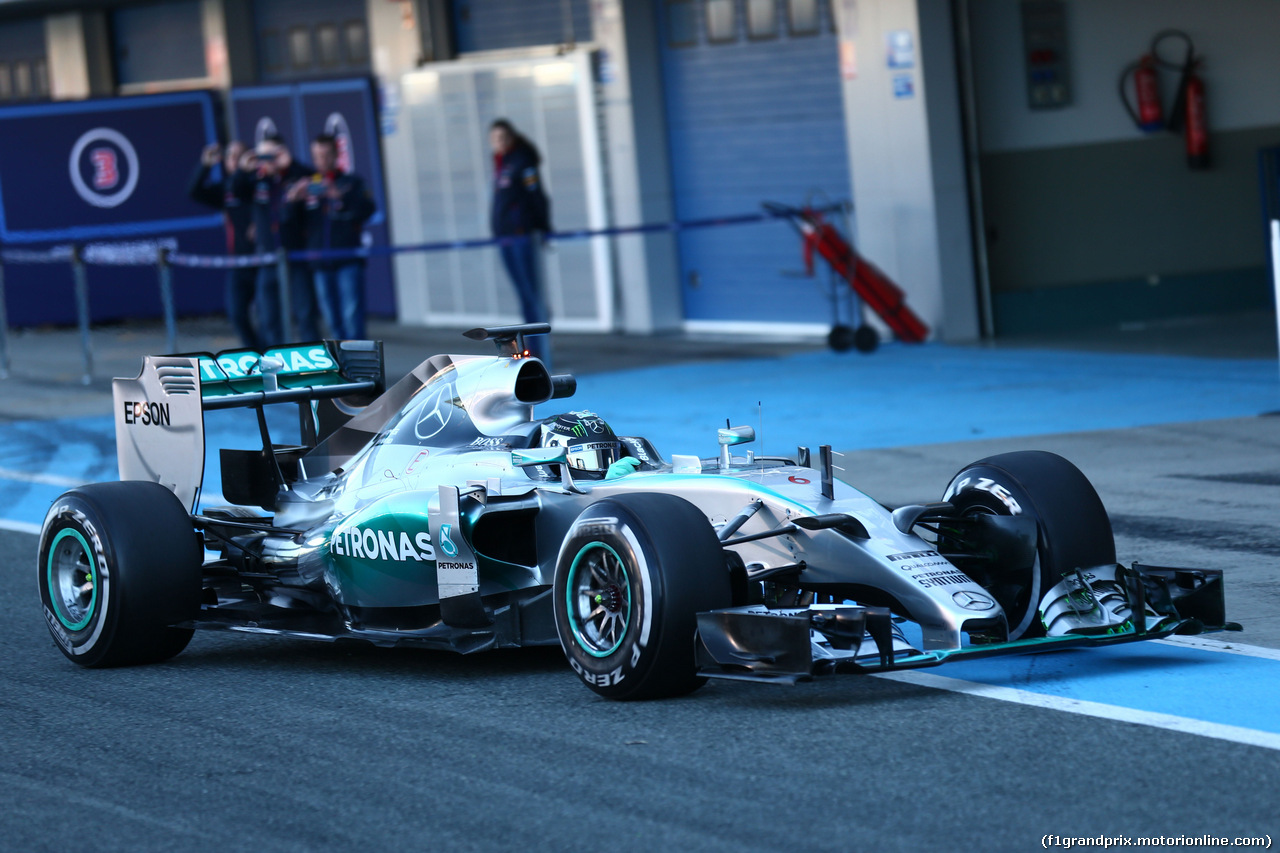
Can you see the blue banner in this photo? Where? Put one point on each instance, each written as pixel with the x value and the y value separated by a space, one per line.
pixel 102 169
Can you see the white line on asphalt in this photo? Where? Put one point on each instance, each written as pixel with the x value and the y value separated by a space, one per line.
pixel 1213 644
pixel 46 479
pixel 19 526
pixel 1219 731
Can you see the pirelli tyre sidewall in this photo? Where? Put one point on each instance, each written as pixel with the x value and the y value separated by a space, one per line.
pixel 1072 524
pixel 118 565
pixel 631 576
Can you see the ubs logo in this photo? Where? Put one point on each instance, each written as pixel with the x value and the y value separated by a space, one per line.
pixel 104 167
pixel 336 126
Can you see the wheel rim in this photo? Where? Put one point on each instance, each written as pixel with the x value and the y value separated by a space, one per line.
pixel 598 595
pixel 72 579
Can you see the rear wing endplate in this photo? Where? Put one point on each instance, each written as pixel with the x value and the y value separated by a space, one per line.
pixel 159 415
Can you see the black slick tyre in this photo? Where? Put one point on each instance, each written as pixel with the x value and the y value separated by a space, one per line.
pixel 119 564
pixel 632 574
pixel 1073 529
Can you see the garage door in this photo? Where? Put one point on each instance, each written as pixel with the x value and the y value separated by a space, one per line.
pixel 754 113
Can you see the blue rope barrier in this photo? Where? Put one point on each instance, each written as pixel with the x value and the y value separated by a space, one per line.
pixel 147 254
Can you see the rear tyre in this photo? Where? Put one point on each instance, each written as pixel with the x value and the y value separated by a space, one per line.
pixel 119 564
pixel 633 573
pixel 1073 529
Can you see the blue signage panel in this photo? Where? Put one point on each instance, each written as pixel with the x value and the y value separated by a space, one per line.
pixel 345 110
pixel 102 169
pixel 259 112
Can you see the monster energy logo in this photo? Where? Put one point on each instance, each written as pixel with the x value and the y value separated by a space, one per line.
pixel 579 430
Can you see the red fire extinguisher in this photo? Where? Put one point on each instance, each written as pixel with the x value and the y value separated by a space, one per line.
pixel 1197 128
pixel 1149 117
pixel 1188 111
pixel 1187 114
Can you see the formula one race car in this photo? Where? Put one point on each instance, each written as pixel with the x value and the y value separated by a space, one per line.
pixel 441 513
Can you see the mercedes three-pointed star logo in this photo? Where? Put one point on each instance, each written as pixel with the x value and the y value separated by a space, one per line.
pixel 973 600
pixel 434 413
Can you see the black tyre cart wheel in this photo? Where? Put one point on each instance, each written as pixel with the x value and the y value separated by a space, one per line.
pixel 119 564
pixel 841 338
pixel 866 339
pixel 632 574
pixel 1073 529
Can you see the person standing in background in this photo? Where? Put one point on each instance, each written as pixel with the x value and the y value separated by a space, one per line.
pixel 331 208
pixel 238 219
pixel 265 176
pixel 521 215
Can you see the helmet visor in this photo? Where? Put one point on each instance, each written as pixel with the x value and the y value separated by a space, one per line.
pixel 594 456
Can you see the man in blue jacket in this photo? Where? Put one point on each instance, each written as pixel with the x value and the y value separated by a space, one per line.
pixel 331 207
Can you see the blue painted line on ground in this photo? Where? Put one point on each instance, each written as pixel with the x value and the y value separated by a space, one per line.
pixel 39 460
pixel 1162 678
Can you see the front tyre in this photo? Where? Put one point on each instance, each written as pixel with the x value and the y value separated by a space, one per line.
pixel 632 575
pixel 119 564
pixel 1073 530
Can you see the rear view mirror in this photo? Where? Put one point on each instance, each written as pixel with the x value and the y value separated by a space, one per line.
pixel 539 456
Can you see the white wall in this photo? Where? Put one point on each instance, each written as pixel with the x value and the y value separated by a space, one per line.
pixel 905 156
pixel 395 45
pixel 1238 39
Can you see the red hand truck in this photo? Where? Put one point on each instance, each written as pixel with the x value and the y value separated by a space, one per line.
pixel 869 283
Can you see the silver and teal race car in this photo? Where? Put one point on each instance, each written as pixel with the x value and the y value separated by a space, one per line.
pixel 440 512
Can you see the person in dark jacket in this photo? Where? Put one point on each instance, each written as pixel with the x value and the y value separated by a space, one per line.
pixel 331 207
pixel 266 173
pixel 520 216
pixel 237 217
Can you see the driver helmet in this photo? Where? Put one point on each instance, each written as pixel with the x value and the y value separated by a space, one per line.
pixel 592 446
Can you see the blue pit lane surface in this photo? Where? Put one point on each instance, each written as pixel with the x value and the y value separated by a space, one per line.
pixel 907 395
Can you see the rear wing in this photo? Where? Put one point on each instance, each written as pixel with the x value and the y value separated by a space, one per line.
pixel 159 415
pixel 320 371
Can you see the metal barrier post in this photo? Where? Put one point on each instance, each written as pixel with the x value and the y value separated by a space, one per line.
pixel 4 328
pixel 286 294
pixel 82 310
pixel 166 300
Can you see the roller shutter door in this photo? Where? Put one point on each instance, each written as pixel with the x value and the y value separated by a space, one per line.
pixel 750 119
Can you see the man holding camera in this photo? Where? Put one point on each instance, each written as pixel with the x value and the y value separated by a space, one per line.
pixel 331 207
pixel 238 217
pixel 265 176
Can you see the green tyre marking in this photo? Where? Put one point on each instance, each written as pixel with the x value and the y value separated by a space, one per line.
pixel 571 592
pixel 56 595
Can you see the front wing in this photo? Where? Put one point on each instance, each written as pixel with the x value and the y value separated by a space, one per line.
pixel 754 643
